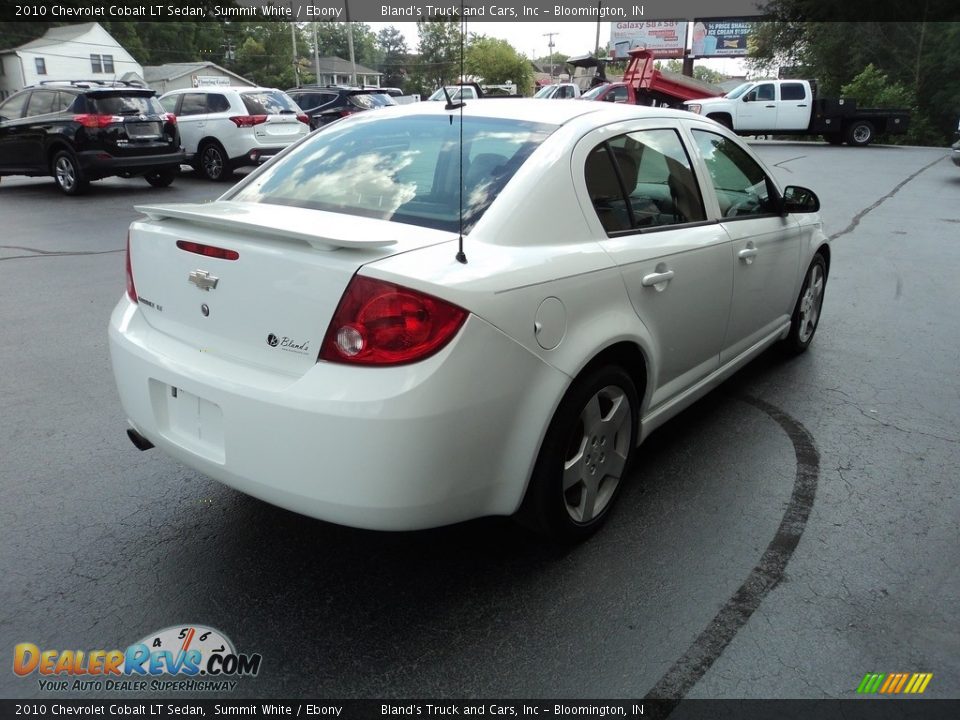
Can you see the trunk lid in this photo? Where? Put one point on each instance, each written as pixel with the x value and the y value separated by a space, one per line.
pixel 281 124
pixel 271 305
pixel 137 125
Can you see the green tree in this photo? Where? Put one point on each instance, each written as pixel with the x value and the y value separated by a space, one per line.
pixel 394 56
pixel 265 54
pixel 441 53
pixel 332 41
pixel 497 62
pixel 872 88
pixel 700 72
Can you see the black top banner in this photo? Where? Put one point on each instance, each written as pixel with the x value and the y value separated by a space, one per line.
pixel 475 10
pixel 495 709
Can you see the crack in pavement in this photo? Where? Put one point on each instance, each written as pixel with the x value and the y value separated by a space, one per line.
pixel 783 162
pixel 899 186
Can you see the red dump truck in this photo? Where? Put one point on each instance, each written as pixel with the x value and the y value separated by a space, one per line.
pixel 644 84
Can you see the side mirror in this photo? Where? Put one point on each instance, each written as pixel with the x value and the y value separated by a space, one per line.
pixel 798 199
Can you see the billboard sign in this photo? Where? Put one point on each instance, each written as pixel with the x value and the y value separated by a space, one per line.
pixel 665 39
pixel 725 37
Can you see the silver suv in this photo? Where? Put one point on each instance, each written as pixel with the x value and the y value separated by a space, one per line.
pixel 223 128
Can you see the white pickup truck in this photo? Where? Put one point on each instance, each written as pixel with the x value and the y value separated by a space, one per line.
pixel 791 107
pixel 558 91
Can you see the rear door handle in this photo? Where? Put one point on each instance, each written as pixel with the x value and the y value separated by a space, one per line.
pixel 657 278
pixel 747 254
pixel 770 106
pixel 804 105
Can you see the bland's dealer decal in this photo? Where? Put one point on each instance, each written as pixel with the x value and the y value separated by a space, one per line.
pixel 200 658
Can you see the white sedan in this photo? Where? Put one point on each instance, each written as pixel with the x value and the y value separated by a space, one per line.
pixel 411 319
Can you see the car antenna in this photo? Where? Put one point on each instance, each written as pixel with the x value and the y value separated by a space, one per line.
pixel 461 256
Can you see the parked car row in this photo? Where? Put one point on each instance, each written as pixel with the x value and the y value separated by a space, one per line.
pixel 85 130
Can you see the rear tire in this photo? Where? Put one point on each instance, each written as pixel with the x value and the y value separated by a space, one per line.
pixel 67 174
pixel 860 133
pixel 806 313
pixel 212 162
pixel 162 178
pixel 585 455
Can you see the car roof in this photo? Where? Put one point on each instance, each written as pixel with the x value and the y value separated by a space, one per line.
pixel 531 110
pixel 220 88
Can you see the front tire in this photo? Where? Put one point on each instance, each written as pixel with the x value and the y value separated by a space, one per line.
pixel 67 173
pixel 584 458
pixel 806 313
pixel 213 163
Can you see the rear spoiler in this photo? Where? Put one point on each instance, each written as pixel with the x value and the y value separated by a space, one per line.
pixel 276 220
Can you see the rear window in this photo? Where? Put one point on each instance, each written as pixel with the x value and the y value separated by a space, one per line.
pixel 406 169
pixel 268 102
pixel 309 101
pixel 383 100
pixel 362 100
pixel 125 105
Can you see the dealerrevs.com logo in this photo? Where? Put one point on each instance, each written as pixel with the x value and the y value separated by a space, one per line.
pixel 180 657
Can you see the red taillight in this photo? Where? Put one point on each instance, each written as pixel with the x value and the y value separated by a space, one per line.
pixel 131 288
pixel 242 121
pixel 97 121
pixel 345 112
pixel 170 118
pixel 207 250
pixel 379 323
pixel 302 117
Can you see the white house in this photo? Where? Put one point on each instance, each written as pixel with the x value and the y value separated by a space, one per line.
pixel 70 52
pixel 337 71
pixel 174 76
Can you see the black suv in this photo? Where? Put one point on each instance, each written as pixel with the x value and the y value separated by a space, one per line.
pixel 323 105
pixel 87 130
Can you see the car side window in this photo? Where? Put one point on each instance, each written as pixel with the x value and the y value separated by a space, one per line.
pixel 64 101
pixel 217 103
pixel 742 187
pixel 792 91
pixel 170 103
pixel 42 102
pixel 193 104
pixel 643 180
pixel 13 107
pixel 765 92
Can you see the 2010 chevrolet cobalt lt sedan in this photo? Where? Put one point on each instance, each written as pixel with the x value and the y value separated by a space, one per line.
pixel 416 318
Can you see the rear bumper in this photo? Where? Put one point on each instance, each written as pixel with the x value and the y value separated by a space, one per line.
pixel 99 162
pixel 444 440
pixel 256 156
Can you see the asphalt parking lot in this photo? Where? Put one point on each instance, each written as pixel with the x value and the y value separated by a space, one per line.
pixel 791 532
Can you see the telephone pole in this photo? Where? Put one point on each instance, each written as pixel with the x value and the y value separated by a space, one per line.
pixel 549 37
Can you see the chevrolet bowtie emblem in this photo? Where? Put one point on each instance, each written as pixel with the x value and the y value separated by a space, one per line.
pixel 203 280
